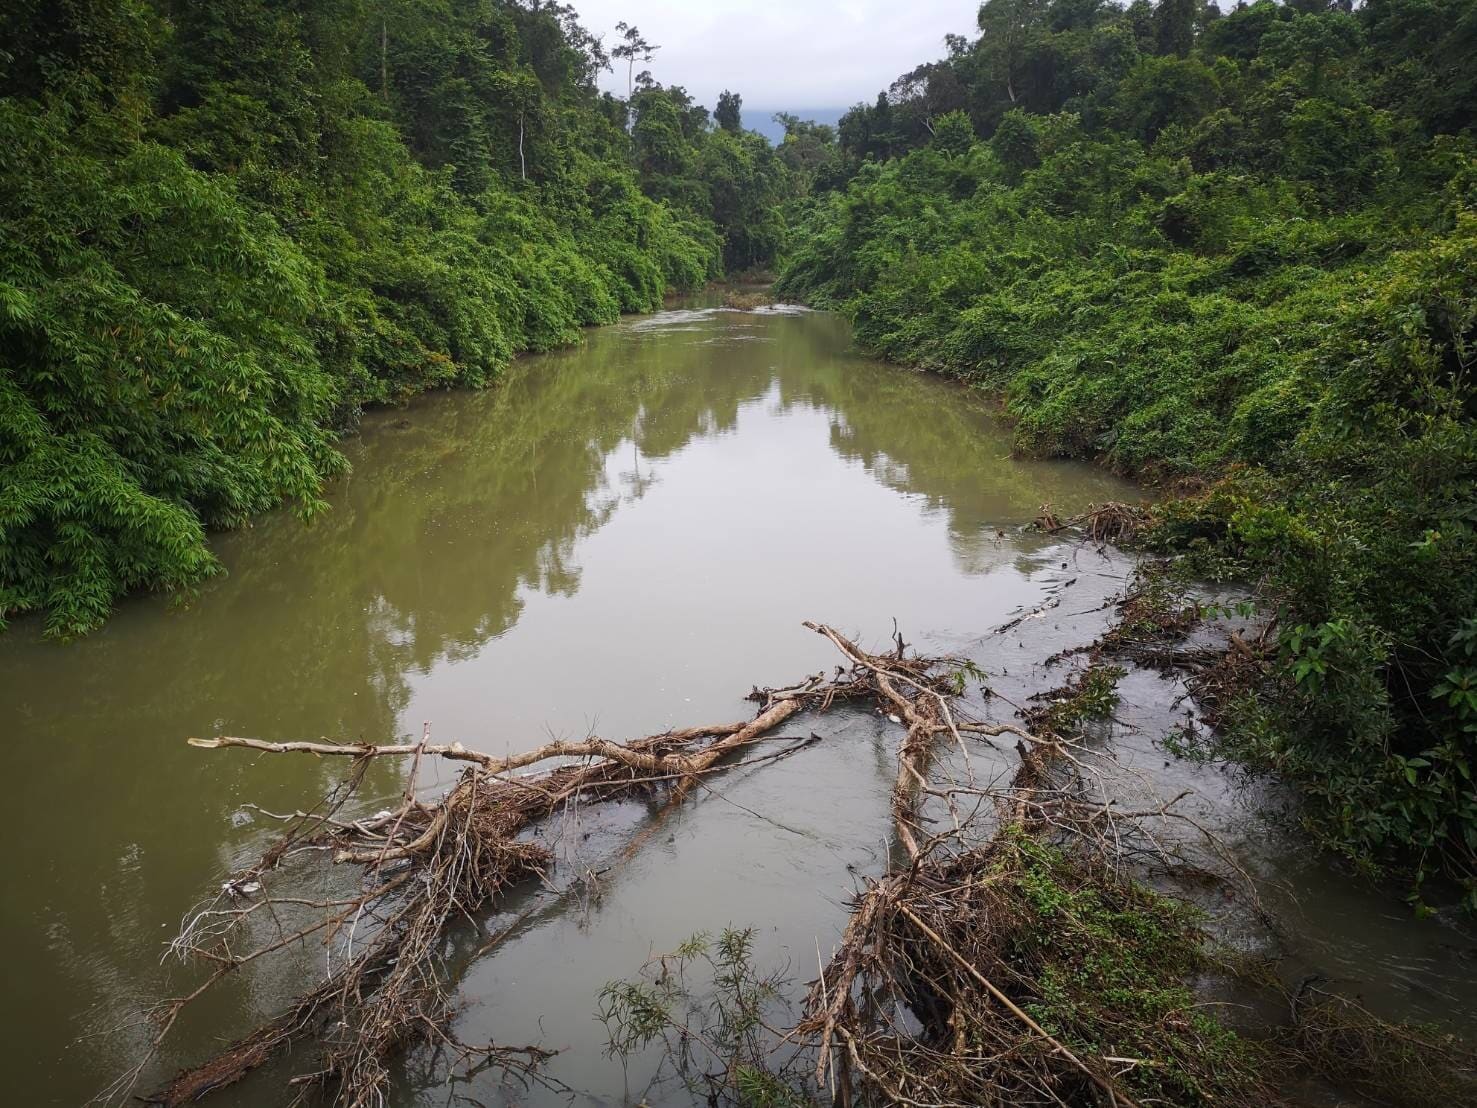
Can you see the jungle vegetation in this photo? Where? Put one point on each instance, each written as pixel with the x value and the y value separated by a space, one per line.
pixel 1233 252
pixel 226 229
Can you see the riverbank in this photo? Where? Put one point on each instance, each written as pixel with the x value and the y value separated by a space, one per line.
pixel 220 248
pixel 1243 267
pixel 1300 475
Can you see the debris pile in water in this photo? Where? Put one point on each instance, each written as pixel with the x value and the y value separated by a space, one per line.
pixel 1011 955
pixel 420 866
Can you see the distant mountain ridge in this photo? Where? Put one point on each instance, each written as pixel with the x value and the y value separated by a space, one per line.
pixel 762 119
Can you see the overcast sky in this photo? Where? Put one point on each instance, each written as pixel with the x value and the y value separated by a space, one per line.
pixel 782 54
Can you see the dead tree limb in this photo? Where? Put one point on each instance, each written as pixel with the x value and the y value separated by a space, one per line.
pixel 417 868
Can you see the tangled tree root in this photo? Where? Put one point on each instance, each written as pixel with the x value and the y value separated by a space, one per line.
pixel 1015 974
pixel 1033 968
pixel 421 866
pixel 1219 680
pixel 1029 966
pixel 748 299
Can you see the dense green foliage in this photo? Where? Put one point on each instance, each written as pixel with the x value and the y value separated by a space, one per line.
pixel 1235 252
pixel 728 174
pixel 1232 249
pixel 226 228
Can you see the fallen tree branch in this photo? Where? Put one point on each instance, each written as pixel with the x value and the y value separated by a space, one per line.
pixel 417 868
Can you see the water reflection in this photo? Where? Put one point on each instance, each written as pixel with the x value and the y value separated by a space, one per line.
pixel 610 538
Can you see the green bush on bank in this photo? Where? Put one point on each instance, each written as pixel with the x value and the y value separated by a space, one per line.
pixel 1251 258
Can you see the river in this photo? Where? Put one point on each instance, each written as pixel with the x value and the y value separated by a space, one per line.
pixel 617 538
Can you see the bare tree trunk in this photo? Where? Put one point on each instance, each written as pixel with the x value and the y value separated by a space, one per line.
pixel 522 162
pixel 384 61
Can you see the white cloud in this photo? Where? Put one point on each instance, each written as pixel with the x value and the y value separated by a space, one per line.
pixel 782 54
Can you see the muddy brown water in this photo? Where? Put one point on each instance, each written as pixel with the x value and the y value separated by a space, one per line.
pixel 618 538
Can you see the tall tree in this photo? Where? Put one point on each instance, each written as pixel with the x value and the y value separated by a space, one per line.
pixel 1174 27
pixel 729 112
pixel 1006 28
pixel 633 48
